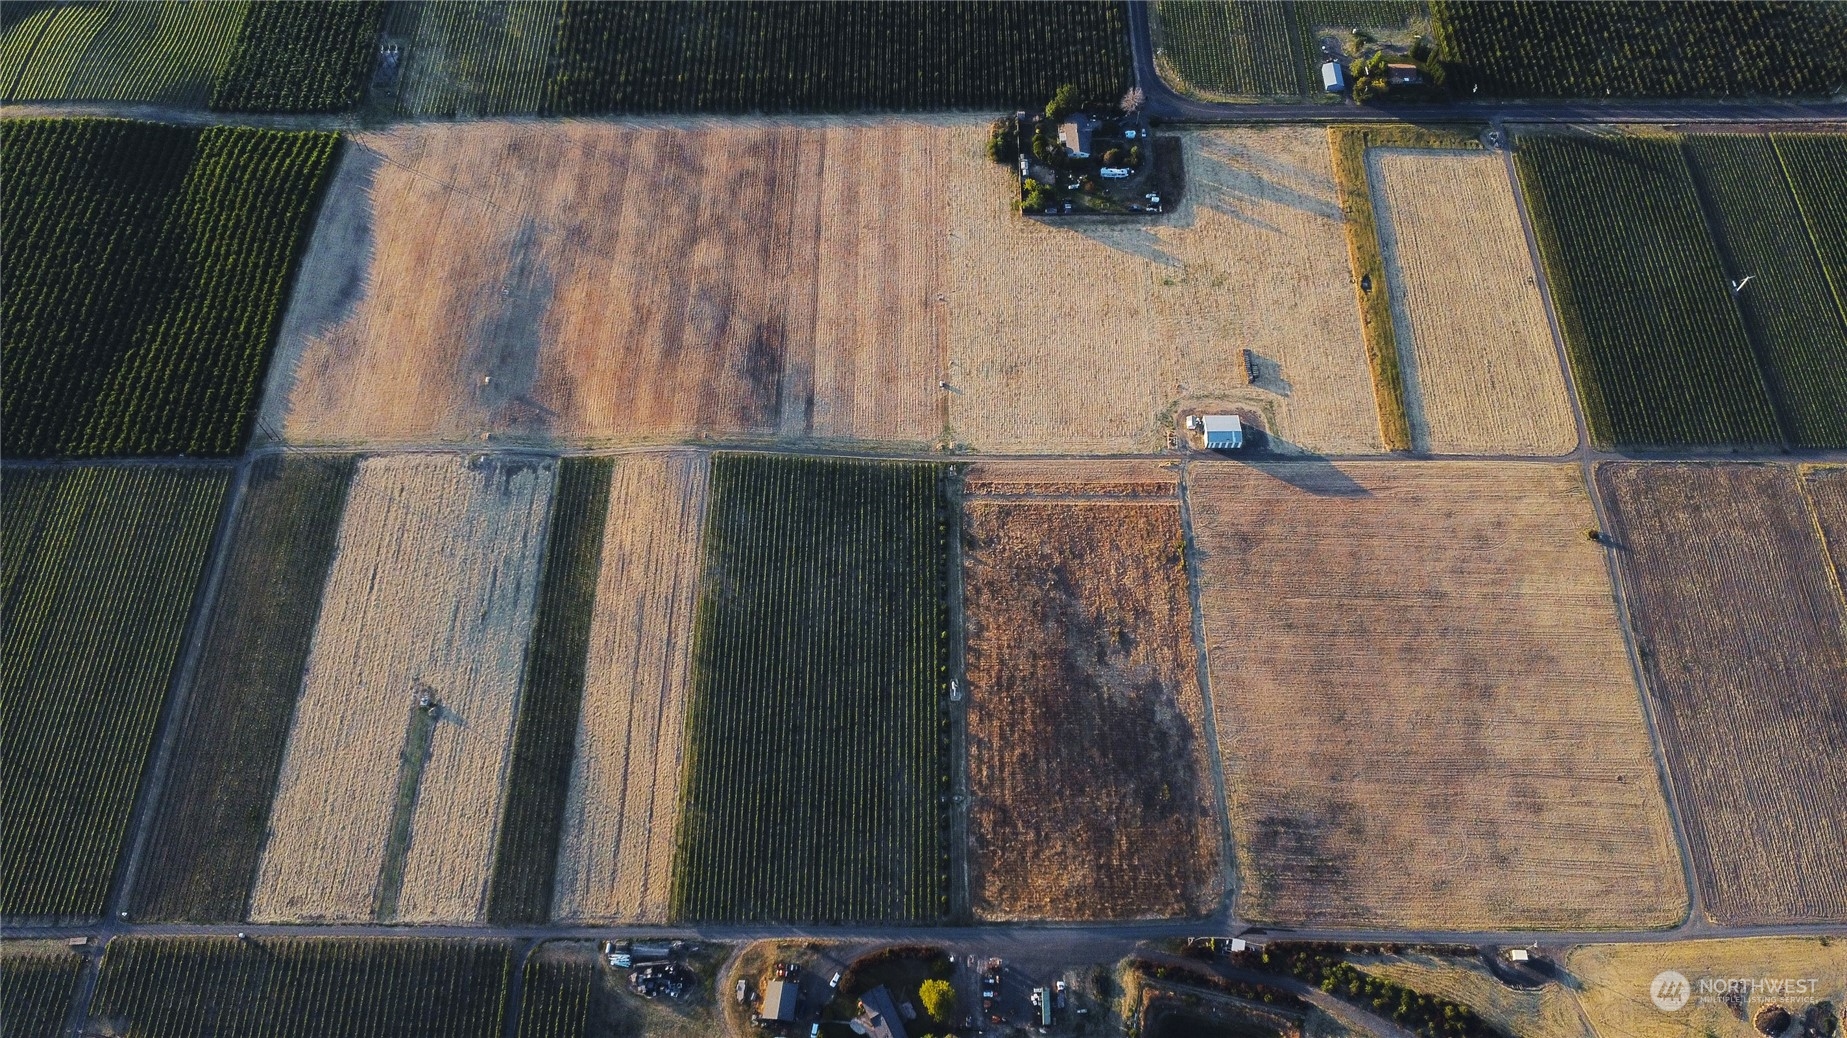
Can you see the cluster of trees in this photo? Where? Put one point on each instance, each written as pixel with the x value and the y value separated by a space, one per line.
pixel 831 55
pixel 146 267
pixel 1642 48
pixel 301 56
pixel 1325 966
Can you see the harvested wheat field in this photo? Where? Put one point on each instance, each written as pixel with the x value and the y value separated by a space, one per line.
pixel 1482 375
pixel 1425 708
pixel 1738 616
pixel 385 809
pixel 1543 1012
pixel 1089 771
pixel 1086 336
pixel 621 282
pixel 615 857
pixel 1616 984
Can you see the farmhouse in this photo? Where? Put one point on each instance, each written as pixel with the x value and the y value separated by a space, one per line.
pixel 1402 74
pixel 878 1015
pixel 779 1002
pixel 1075 133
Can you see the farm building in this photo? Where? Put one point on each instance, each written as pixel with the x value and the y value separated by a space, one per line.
pixel 1402 74
pixel 1076 132
pixel 779 1002
pixel 1333 77
pixel 1222 431
pixel 879 1015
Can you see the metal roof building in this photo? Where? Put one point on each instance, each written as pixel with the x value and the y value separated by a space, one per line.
pixel 779 1002
pixel 1222 431
pixel 879 1015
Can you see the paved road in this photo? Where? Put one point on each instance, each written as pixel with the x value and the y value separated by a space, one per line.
pixel 1165 104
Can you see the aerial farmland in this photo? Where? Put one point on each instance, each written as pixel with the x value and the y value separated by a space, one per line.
pixel 923 518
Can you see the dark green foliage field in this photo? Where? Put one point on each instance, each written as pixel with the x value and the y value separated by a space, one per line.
pixel 214 806
pixel 1658 349
pixel 817 735
pixel 36 992
pixel 1641 48
pixel 305 987
pixel 832 55
pixel 301 56
pixel 555 1001
pixel 545 736
pixel 101 566
pixel 1264 47
pixel 1788 307
pixel 146 269
pixel 1816 166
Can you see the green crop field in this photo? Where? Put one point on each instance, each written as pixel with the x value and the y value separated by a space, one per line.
pixel 1788 307
pixel 1658 349
pixel 304 987
pixel 1265 47
pixel 469 57
pixel 822 56
pixel 1816 167
pixel 101 565
pixel 301 56
pixel 818 732
pixel 214 806
pixel 36 988
pixel 163 53
pixel 555 1001
pixel 1641 48
pixel 545 736
pixel 146 271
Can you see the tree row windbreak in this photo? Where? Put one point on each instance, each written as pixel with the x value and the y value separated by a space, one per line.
pixel 817 768
pixel 147 267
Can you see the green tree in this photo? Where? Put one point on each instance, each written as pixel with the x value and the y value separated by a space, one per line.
pixel 1063 102
pixel 939 1000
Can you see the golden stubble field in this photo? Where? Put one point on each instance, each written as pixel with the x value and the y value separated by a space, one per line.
pixel 1738 612
pixel 615 856
pixel 815 279
pixel 1090 773
pixel 594 282
pixel 1614 984
pixel 1086 336
pixel 1482 375
pixel 432 589
pixel 1425 709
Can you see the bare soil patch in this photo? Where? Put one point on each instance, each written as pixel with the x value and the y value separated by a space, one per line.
pixel 1087 336
pixel 1740 624
pixel 621 282
pixel 1481 373
pixel 1425 708
pixel 616 854
pixel 431 591
pixel 1090 777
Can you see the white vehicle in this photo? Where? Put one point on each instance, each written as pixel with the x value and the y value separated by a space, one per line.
pixel 1115 172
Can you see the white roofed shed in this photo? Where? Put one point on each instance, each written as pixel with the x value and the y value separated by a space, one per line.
pixel 1222 431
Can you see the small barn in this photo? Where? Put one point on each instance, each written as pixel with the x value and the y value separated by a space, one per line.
pixel 1333 77
pixel 879 1015
pixel 1222 431
pixel 779 1002
pixel 1403 74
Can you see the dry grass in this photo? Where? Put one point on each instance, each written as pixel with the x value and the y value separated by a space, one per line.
pixel 1087 337
pixel 1089 771
pixel 616 853
pixel 1743 637
pixel 1481 374
pixel 432 586
pixel 1615 982
pixel 1545 1012
pixel 621 282
pixel 1077 477
pixel 1425 707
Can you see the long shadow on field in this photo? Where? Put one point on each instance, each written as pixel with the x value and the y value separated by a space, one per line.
pixel 1282 460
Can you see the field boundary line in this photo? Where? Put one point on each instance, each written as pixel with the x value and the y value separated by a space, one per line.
pixel 1203 663
pixel 173 708
pixel 1821 536
pixel 1588 465
pixel 83 993
pixel 962 902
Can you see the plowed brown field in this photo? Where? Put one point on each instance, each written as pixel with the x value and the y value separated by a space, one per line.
pixel 593 282
pixel 1426 712
pixel 1481 373
pixel 1090 778
pixel 615 857
pixel 432 589
pixel 1738 615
